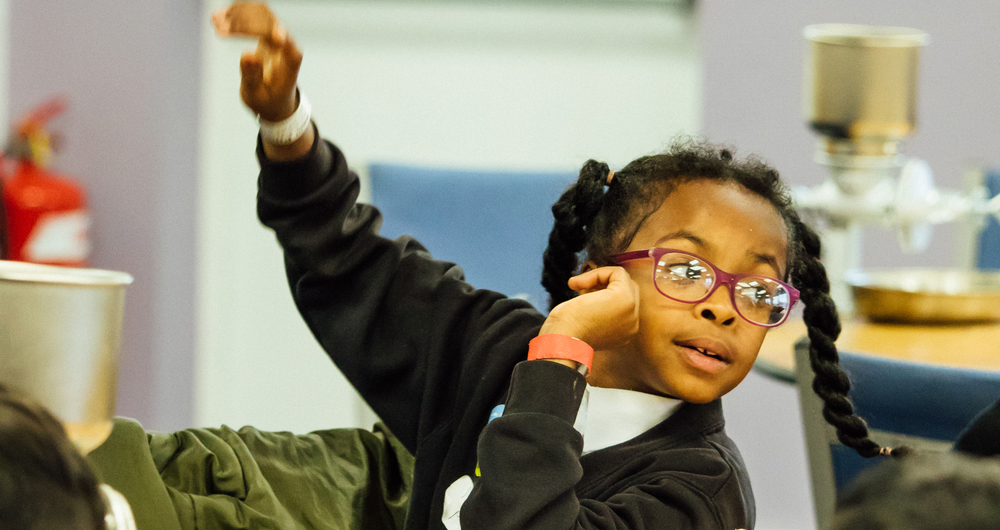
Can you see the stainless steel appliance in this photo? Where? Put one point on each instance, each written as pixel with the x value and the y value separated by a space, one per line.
pixel 861 94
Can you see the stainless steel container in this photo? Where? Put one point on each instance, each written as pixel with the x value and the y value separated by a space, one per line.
pixel 926 295
pixel 861 84
pixel 60 332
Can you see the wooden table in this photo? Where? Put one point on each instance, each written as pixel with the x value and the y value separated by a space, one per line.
pixel 963 346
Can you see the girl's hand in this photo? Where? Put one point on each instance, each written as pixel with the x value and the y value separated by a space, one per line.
pixel 605 315
pixel 269 73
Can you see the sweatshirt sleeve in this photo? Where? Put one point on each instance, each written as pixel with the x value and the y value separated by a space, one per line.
pixel 399 324
pixel 529 462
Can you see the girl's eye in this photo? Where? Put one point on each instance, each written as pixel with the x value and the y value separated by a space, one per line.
pixel 760 292
pixel 756 293
pixel 686 271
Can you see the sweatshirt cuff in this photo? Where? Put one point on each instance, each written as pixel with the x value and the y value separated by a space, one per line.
pixel 297 178
pixel 546 387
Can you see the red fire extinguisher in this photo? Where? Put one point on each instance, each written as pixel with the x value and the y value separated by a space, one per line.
pixel 46 212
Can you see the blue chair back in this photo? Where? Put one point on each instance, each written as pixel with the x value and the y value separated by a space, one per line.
pixel 921 405
pixel 912 399
pixel 989 238
pixel 493 224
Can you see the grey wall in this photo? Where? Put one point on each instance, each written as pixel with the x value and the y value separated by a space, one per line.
pixel 130 71
pixel 754 54
pixel 753 57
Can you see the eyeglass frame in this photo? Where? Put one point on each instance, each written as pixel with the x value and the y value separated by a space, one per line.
pixel 721 278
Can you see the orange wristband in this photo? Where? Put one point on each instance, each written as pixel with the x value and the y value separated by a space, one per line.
pixel 555 346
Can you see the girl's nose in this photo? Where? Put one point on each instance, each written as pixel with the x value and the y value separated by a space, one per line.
pixel 718 307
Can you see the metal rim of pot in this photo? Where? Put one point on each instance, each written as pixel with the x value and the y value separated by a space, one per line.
pixel 865 35
pixel 50 274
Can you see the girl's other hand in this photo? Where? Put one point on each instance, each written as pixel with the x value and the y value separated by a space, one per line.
pixel 269 73
pixel 605 315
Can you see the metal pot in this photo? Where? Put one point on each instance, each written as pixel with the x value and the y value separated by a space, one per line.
pixel 861 84
pixel 60 332
pixel 926 296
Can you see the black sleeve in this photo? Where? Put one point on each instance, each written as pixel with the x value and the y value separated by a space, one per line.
pixel 406 330
pixel 530 465
pixel 982 436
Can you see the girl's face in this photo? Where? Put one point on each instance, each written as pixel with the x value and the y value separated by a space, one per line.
pixel 740 233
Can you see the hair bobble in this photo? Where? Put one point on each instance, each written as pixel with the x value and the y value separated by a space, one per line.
pixel 896 452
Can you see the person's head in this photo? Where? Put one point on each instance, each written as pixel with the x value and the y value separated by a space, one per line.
pixel 928 491
pixel 735 215
pixel 45 483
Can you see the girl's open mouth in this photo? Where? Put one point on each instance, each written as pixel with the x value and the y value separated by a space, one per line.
pixel 706 352
pixel 702 359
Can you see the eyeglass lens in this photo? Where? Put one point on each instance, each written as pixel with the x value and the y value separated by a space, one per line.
pixel 686 278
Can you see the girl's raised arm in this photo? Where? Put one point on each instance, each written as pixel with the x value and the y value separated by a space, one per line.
pixel 420 344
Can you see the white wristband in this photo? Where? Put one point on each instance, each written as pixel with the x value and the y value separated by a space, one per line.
pixel 292 128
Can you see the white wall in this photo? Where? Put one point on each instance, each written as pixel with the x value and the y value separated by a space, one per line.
pixel 442 84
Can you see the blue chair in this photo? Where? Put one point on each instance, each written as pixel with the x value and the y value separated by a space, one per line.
pixel 989 239
pixel 919 405
pixel 494 224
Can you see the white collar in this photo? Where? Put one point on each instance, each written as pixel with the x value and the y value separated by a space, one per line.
pixel 610 416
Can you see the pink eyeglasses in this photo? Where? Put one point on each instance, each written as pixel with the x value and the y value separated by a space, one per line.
pixel 688 278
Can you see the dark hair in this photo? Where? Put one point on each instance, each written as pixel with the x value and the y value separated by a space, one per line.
pixel 603 222
pixel 926 491
pixel 45 483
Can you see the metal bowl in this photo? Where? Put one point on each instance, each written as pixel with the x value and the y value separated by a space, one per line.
pixel 926 296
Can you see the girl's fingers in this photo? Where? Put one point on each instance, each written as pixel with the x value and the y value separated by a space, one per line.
pixel 605 315
pixel 269 73
pixel 585 282
pixel 599 278
pixel 249 19
pixel 291 53
pixel 221 22
pixel 284 63
pixel 252 70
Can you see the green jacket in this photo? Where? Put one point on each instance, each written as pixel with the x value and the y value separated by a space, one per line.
pixel 207 479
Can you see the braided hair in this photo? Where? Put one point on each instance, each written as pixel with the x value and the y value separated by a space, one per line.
pixel 598 217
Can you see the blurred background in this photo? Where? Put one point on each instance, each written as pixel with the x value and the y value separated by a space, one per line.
pixel 156 133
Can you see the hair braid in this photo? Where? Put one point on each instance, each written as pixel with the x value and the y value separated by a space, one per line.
pixel 831 384
pixel 573 213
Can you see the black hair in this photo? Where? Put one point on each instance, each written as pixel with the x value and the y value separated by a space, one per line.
pixel 923 492
pixel 599 218
pixel 45 483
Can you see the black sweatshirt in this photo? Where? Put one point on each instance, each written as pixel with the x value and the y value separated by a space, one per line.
pixel 432 356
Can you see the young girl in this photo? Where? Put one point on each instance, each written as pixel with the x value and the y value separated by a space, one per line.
pixel 689 257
